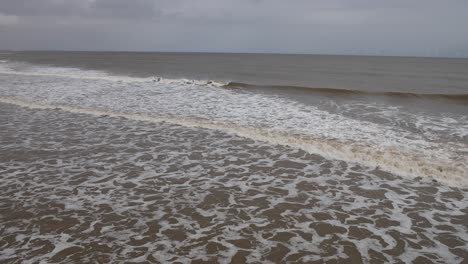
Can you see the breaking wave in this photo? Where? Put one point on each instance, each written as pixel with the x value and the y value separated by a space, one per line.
pixel 335 91
pixel 9 67
pixel 422 150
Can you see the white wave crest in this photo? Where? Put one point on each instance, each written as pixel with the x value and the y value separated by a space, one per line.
pixel 11 68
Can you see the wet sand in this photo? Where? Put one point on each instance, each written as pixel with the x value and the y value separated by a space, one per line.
pixel 76 188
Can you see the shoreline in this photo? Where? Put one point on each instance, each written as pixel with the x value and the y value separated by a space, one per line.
pixel 84 187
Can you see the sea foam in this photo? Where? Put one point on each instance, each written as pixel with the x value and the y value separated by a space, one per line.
pixel 275 119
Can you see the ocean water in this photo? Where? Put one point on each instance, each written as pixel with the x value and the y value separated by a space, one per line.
pixel 162 157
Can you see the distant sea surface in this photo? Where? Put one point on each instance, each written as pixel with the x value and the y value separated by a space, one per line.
pixel 254 157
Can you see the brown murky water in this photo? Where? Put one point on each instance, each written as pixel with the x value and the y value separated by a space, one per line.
pixel 77 188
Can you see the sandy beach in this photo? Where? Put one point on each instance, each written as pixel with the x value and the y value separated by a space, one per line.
pixel 80 188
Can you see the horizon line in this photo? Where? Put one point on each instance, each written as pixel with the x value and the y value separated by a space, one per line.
pixel 236 52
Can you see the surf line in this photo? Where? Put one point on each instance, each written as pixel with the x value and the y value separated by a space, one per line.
pixel 328 148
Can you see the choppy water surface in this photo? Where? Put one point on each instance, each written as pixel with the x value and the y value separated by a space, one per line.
pixel 101 163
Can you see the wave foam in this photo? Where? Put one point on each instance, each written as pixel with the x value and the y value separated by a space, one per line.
pixel 26 69
pixel 141 193
pixel 399 161
pixel 407 144
pixel 76 73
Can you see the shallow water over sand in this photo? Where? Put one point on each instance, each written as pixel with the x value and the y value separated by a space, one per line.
pixel 82 188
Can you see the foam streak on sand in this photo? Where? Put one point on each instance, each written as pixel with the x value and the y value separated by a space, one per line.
pixel 100 167
pixel 113 190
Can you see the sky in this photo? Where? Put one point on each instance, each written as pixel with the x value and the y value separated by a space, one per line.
pixel 361 27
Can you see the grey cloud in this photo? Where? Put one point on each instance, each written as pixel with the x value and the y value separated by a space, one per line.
pixel 42 7
pixel 398 27
pixel 136 9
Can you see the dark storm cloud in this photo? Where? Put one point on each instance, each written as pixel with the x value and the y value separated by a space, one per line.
pixel 403 27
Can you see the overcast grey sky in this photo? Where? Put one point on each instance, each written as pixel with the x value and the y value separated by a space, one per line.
pixel 387 27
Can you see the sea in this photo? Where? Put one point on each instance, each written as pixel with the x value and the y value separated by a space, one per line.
pixel 143 157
